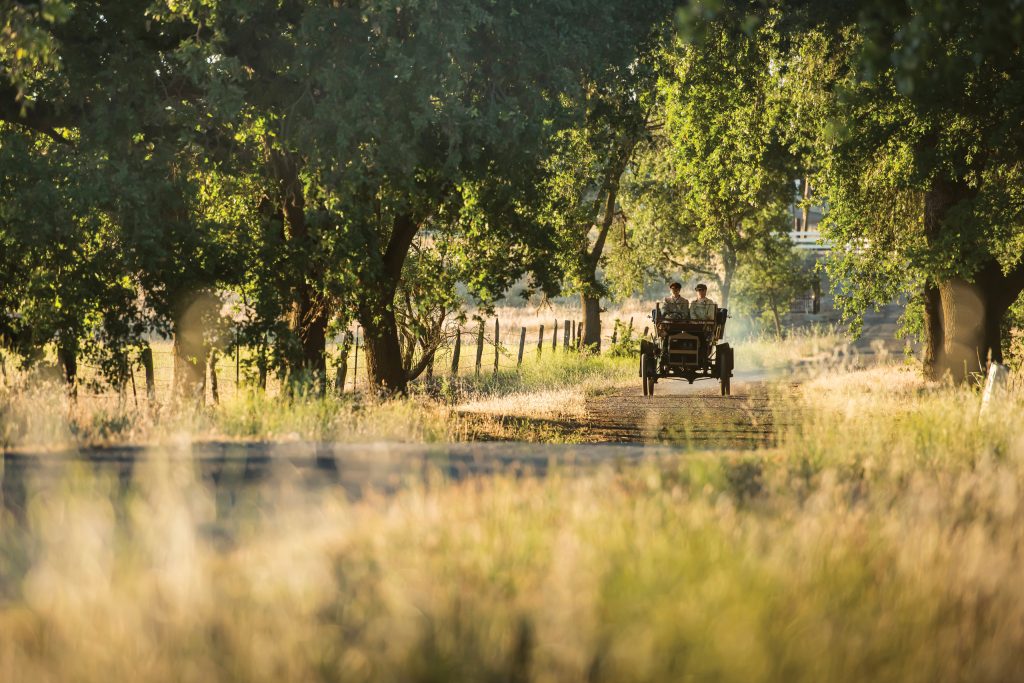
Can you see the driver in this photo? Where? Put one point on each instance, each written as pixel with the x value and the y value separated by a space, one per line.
pixel 676 307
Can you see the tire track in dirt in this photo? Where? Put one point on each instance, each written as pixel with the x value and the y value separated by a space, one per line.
pixel 696 416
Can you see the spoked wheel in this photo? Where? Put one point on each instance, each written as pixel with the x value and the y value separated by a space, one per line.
pixel 646 372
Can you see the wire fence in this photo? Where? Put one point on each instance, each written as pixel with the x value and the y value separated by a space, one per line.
pixel 488 346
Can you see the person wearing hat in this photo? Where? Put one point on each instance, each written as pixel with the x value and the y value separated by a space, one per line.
pixel 676 306
pixel 702 308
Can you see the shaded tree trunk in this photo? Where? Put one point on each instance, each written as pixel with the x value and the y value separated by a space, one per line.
pixel 67 356
pixel 384 360
pixel 972 316
pixel 591 322
pixel 590 299
pixel 933 332
pixel 308 318
pixel 383 350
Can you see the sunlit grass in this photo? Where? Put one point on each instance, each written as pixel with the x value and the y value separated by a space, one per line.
pixel 816 347
pixel 881 540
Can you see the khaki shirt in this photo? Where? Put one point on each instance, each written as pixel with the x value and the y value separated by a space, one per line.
pixel 702 310
pixel 676 308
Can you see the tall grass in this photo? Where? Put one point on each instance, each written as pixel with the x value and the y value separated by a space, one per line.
pixel 881 540
pixel 38 414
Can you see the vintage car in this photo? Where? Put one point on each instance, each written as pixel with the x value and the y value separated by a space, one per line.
pixel 686 349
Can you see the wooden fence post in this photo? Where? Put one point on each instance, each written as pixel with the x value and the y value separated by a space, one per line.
pixel 615 331
pixel 522 343
pixel 565 336
pixel 355 362
pixel 480 348
pixel 554 338
pixel 645 332
pixel 238 360
pixel 147 364
pixel 214 389
pixel 579 334
pixel 540 340
pixel 497 345
pixel 135 395
pixel 455 352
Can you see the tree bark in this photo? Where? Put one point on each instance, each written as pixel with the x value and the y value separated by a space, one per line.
pixel 591 322
pixel 67 355
pixel 777 320
pixel 934 335
pixel 728 271
pixel 377 314
pixel 972 314
pixel 591 335
pixel 189 365
pixel 307 320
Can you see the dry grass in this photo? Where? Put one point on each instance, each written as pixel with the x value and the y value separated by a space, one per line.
pixel 881 540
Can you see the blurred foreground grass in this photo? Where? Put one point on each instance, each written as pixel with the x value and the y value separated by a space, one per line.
pixel 881 540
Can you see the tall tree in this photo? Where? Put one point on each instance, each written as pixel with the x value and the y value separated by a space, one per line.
pixel 920 155
pixel 590 159
pixel 713 184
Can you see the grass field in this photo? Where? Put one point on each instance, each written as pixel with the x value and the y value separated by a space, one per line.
pixel 881 540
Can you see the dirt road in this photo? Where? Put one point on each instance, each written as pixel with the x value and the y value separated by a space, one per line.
pixel 695 415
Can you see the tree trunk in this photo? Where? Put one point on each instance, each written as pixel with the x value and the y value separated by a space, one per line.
pixel 189 365
pixel 383 351
pixel 728 271
pixel 590 298
pixel 377 315
pixel 964 316
pixel 190 351
pixel 67 355
pixel 591 322
pixel 308 318
pixel 777 320
pixel 972 315
pixel 934 335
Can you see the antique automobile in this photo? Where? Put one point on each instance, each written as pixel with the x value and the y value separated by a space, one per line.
pixel 683 348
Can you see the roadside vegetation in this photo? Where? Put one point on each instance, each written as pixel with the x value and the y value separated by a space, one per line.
pixel 880 540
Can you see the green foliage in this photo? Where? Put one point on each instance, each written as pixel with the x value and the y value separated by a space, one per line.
pixel 718 176
pixel 627 341
pixel 770 279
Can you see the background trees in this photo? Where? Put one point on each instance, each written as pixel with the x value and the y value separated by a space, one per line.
pixel 905 108
pixel 309 161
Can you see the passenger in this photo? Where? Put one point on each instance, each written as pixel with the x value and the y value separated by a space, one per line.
pixel 676 307
pixel 702 307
